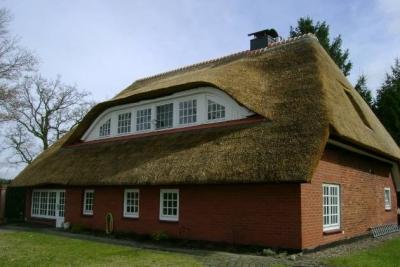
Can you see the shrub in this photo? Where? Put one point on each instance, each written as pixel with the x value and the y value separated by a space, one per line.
pixel 159 236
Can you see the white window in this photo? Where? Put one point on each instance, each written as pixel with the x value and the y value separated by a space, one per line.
pixel 164 115
pixel 388 199
pixel 331 206
pixel 215 111
pixel 48 203
pixel 105 129
pixel 131 203
pixel 88 200
pixel 188 111
pixel 143 119
pixel 124 123
pixel 169 204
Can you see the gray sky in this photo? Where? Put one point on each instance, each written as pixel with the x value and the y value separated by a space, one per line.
pixel 103 46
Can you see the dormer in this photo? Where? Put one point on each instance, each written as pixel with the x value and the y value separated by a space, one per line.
pixel 202 105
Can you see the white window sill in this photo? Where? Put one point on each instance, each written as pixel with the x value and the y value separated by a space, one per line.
pixel 169 219
pixel 88 213
pixel 130 216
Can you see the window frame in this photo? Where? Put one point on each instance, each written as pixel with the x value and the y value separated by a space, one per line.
pixel 84 210
pixel 331 226
pixel 173 120
pixel 129 121
pixel 57 203
pixel 388 206
pixel 127 214
pixel 194 101
pixel 171 218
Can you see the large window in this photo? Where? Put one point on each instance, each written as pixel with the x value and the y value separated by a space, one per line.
pixel 178 110
pixel 124 123
pixel 331 206
pixel 105 129
pixel 47 203
pixel 215 111
pixel 88 201
pixel 131 203
pixel 388 199
pixel 164 116
pixel 143 119
pixel 188 111
pixel 169 204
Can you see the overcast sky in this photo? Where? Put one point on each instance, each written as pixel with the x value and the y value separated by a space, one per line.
pixel 103 46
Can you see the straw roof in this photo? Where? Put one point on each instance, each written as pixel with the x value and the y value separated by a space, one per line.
pixel 294 85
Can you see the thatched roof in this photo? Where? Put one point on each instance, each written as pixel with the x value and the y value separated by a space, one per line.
pixel 294 85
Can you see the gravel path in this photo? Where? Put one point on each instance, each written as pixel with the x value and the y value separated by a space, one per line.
pixel 226 259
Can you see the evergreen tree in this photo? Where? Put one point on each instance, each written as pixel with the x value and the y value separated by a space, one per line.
pixel 362 89
pixel 321 31
pixel 388 102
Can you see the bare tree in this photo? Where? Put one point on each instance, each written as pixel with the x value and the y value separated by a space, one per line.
pixel 14 61
pixel 42 110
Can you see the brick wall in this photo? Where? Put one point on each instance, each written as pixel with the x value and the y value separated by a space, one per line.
pixel 362 181
pixel 275 215
pixel 246 214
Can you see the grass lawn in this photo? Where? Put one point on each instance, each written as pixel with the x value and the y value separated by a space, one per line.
pixel 387 254
pixel 35 249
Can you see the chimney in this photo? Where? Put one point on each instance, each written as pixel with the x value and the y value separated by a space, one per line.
pixel 263 38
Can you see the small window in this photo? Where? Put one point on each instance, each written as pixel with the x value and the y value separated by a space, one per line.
pixel 143 119
pixel 164 116
pixel 105 129
pixel 388 199
pixel 124 123
pixel 131 203
pixel 35 203
pixel 331 206
pixel 215 111
pixel 88 201
pixel 169 204
pixel 188 112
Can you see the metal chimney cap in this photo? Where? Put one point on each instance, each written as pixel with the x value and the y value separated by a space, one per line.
pixel 264 33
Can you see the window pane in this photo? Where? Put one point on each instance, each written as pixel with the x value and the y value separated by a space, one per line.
pixel 164 116
pixel 215 111
pixel 188 112
pixel 143 119
pixel 124 123
pixel 105 129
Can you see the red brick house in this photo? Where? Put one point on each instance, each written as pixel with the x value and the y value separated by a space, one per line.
pixel 271 146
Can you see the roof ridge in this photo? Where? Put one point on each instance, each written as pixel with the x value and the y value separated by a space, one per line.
pixel 248 52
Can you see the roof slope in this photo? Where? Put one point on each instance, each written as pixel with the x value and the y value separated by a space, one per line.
pixel 294 84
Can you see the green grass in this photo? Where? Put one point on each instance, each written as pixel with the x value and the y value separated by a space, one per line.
pixel 387 254
pixel 36 249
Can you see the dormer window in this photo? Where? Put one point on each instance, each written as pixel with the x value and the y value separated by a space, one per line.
pixel 164 115
pixel 124 123
pixel 105 129
pixel 188 108
pixel 215 111
pixel 188 111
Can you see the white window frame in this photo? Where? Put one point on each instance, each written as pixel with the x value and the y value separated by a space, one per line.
pixel 131 214
pixel 331 226
pixel 388 204
pixel 194 114
pixel 233 111
pixel 127 120
pixel 164 217
pixel 58 204
pixel 84 210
